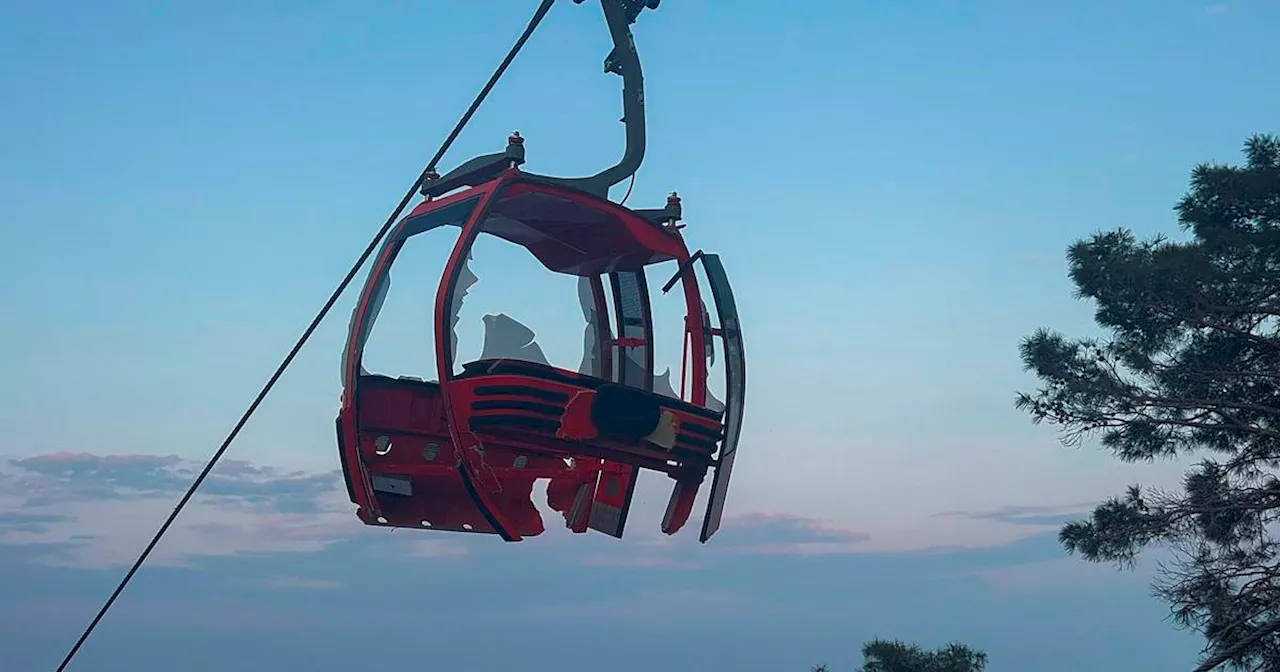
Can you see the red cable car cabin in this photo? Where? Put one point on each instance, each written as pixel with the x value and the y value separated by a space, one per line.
pixel 463 454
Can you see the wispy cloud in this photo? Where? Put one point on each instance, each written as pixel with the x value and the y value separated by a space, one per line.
pixel 1040 517
pixel 774 534
pixel 85 476
pixel 88 510
pixel 743 535
pixel 30 523
pixel 1216 9
pixel 633 561
pixel 1056 574
pixel 242 569
pixel 297 583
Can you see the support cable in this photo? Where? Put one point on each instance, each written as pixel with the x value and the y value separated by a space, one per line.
pixel 538 15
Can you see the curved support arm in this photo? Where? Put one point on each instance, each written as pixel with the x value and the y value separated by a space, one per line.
pixel 622 61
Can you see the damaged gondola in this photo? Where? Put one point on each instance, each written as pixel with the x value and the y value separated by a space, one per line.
pixel 462 453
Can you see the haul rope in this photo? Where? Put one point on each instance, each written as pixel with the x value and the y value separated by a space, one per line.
pixel 306 335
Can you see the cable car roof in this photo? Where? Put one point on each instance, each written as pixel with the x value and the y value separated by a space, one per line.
pixel 569 231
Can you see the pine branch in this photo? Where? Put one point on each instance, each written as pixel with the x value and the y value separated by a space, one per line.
pixel 1240 646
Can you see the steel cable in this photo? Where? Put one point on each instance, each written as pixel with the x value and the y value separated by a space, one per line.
pixel 538 15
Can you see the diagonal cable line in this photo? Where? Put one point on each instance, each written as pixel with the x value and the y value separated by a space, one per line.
pixel 538 15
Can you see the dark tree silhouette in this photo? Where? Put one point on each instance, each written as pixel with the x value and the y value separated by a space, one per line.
pixel 1190 365
pixel 881 655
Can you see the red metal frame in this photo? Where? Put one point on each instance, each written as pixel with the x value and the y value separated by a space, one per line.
pixel 463 454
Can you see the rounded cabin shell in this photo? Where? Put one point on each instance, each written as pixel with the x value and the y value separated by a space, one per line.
pixel 462 453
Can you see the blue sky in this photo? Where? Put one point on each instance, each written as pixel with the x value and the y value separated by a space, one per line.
pixel 892 188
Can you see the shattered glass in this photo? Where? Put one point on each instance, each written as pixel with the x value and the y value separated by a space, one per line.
pixel 592 350
pixel 507 338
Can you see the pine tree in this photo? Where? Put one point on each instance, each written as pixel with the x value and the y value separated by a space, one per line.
pixel 894 656
pixel 1190 366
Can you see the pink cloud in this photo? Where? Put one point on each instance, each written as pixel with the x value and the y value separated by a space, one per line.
pixel 87 510
pixel 90 460
pixel 786 534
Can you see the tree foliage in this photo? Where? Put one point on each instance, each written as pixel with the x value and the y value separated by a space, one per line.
pixel 894 656
pixel 1190 365
pixel 880 655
